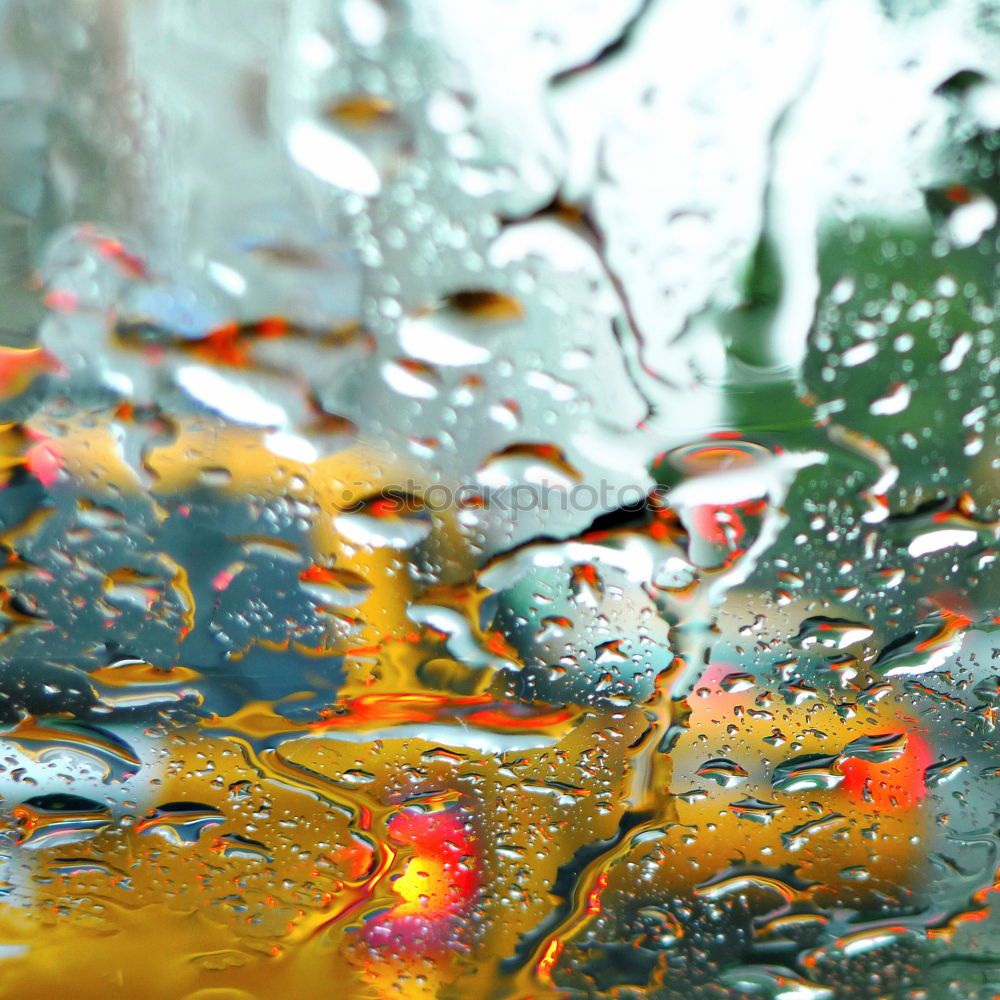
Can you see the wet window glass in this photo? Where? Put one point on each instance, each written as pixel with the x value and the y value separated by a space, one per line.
pixel 499 500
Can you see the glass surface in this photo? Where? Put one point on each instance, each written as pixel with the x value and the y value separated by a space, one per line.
pixel 499 499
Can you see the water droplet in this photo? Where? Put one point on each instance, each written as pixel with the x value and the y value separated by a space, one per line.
pixel 969 221
pixel 393 520
pixel 540 465
pixel 333 158
pixel 806 772
pixel 410 377
pixel 723 772
pixel 181 822
pixel 756 809
pixel 366 20
pixel 57 820
pixel 335 587
pixel 831 633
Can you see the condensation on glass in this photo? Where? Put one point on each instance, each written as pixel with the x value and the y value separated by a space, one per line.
pixel 499 499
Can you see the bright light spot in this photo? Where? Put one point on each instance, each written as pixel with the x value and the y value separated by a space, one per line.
pixel 235 402
pixel 895 402
pixel 935 541
pixel 333 159
pixel 291 446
